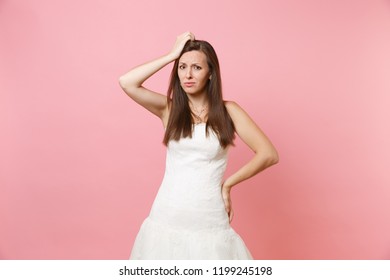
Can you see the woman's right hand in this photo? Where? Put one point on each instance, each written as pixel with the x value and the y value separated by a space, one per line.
pixel 181 40
pixel 132 81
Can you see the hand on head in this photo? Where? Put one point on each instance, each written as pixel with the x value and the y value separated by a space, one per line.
pixel 181 40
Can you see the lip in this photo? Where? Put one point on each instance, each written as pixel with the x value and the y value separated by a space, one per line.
pixel 189 84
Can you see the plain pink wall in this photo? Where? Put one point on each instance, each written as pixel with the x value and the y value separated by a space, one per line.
pixel 81 163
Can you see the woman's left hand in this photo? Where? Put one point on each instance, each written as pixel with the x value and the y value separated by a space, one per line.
pixel 227 201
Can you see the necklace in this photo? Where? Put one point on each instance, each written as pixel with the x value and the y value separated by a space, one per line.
pixel 197 113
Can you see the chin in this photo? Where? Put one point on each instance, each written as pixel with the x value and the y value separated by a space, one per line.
pixel 192 92
pixel 195 92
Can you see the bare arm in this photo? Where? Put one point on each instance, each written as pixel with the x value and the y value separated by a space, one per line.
pixel 132 81
pixel 265 153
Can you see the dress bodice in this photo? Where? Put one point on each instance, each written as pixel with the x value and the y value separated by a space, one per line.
pixel 200 155
pixel 193 177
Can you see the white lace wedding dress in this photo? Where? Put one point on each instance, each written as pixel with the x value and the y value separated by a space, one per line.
pixel 188 219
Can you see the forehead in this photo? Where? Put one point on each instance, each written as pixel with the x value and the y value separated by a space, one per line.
pixel 192 57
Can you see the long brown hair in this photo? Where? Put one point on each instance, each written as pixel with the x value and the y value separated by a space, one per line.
pixel 180 121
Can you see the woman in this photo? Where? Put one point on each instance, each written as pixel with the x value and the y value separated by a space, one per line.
pixel 190 217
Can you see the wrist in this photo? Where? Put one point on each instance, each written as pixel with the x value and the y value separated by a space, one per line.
pixel 171 56
pixel 226 187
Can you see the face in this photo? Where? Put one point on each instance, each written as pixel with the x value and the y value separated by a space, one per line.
pixel 193 72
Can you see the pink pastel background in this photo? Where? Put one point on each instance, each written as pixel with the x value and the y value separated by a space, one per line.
pixel 80 163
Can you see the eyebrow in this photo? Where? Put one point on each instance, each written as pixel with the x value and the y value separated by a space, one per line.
pixel 195 63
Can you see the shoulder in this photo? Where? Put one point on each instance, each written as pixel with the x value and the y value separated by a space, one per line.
pixel 241 119
pixel 234 110
pixel 229 103
pixel 231 106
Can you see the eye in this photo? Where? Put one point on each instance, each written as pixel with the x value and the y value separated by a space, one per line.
pixel 181 67
pixel 196 67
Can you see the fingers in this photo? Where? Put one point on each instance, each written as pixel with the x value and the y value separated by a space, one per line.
pixel 181 40
pixel 186 36
pixel 231 214
pixel 228 207
pixel 190 34
pixel 227 201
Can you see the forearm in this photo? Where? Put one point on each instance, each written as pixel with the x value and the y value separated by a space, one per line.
pixel 136 76
pixel 258 163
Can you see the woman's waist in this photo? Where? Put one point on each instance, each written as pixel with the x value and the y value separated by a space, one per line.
pixel 178 175
pixel 189 218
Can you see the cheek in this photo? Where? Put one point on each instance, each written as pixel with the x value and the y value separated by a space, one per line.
pixel 203 78
pixel 180 75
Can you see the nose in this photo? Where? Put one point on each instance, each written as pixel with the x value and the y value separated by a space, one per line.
pixel 189 73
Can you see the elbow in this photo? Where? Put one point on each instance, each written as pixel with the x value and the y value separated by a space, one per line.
pixel 126 83
pixel 274 159
pixel 271 159
pixel 126 86
pixel 122 82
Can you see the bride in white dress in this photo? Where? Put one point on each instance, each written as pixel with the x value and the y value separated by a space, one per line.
pixel 191 214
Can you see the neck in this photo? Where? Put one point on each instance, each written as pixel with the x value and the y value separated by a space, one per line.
pixel 198 101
